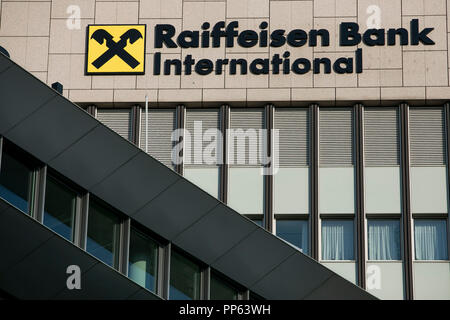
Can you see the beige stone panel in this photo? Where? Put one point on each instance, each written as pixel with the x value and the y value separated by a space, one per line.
pixel 116 12
pixel 358 94
pixel 25 19
pixel 438 35
pixel 436 68
pixel 313 94
pixel 136 96
pixel 248 80
pixel 421 7
pixel 332 25
pixel 390 13
pixel 438 93
pixel 247 24
pixel 335 8
pixel 269 95
pixel 180 95
pixel 150 41
pixel 334 80
pixel 414 68
pixel 29 52
pixel 194 14
pixel 413 93
pixel 425 68
pixel 80 96
pixel 68 70
pixel 386 57
pixel 195 80
pixel 247 8
pixel 60 8
pixel 380 78
pixel 40 75
pixel 64 40
pixel 161 8
pixel 114 82
pixel 290 15
pixel 150 81
pixel 291 80
pixel 220 95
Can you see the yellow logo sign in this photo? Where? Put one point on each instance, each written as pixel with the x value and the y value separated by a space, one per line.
pixel 115 49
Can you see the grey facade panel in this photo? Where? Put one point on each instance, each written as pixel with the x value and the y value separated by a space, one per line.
pixel 45 125
pixel 147 181
pixel 258 254
pixel 209 238
pixel 94 157
pixel 35 259
pixel 23 93
pixel 175 209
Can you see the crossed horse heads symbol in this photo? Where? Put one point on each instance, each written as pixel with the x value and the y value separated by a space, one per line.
pixel 116 48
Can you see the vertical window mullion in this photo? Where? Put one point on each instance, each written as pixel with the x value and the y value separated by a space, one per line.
pixel 124 245
pixel 164 274
pixel 37 194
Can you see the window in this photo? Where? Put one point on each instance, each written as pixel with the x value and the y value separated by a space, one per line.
pixel 17 181
pixel 337 240
pixel 384 239
pixel 258 221
pixel 143 260
pixel 103 234
pixel 184 278
pixel 222 290
pixel 430 239
pixel 60 206
pixel 294 232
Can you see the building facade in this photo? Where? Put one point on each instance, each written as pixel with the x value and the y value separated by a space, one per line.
pixel 326 122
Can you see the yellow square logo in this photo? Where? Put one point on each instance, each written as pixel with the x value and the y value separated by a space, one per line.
pixel 115 49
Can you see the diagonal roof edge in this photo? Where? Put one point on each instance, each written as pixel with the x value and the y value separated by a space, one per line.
pixel 69 140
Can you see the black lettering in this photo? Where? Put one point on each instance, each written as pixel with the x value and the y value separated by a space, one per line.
pixel 349 35
pixel 163 35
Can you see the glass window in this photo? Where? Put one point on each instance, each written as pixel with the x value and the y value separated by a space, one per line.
pixel 143 260
pixel 384 239
pixel 184 278
pixel 337 240
pixel 16 182
pixel 60 206
pixel 222 290
pixel 103 234
pixel 258 221
pixel 294 232
pixel 430 239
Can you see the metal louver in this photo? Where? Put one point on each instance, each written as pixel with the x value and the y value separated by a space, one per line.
pixel 427 136
pixel 381 137
pixel 209 119
pixel 161 124
pixel 294 136
pixel 336 137
pixel 241 120
pixel 118 120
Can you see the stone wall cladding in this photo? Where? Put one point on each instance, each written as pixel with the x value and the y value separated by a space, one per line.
pixel 36 35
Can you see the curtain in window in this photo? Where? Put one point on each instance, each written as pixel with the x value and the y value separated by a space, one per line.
pixel 384 240
pixel 337 240
pixel 430 239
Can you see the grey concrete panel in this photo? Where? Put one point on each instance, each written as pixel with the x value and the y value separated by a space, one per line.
pixel 59 123
pixel 135 183
pixel 22 94
pixel 215 234
pixel 94 157
pixel 142 294
pixel 253 258
pixel 5 63
pixel 176 209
